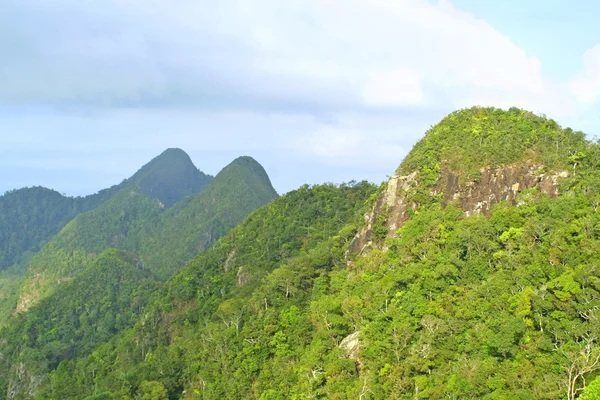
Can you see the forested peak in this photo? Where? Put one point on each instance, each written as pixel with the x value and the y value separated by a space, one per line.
pixel 172 163
pixel 171 157
pixel 174 152
pixel 477 157
pixel 469 140
pixel 251 165
pixel 29 217
pixel 170 177
pixel 251 171
pixel 246 161
pixel 33 191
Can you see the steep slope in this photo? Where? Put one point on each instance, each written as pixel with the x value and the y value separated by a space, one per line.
pixel 448 301
pixel 170 177
pixel 294 234
pixel 29 218
pixel 32 216
pixel 104 299
pixel 122 222
pixel 132 221
pixel 473 159
pixel 199 221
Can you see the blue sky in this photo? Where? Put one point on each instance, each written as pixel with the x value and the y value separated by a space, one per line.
pixel 315 90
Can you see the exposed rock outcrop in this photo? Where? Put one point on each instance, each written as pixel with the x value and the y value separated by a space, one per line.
pixel 23 383
pixel 474 197
pixel 351 346
pixel 495 185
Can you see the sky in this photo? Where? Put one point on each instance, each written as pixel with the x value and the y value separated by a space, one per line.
pixel 315 90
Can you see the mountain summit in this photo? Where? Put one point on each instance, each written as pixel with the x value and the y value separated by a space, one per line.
pixel 474 159
pixel 468 140
pixel 135 221
pixel 42 213
pixel 170 177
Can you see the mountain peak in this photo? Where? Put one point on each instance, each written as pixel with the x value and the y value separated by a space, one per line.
pixel 170 160
pixel 473 159
pixel 251 164
pixel 468 140
pixel 250 170
pixel 170 176
pixel 175 153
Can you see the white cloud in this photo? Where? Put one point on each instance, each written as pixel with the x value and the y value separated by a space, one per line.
pixel 392 52
pixel 586 87
pixel 393 87
pixel 348 147
pixel 256 53
pixel 370 143
pixel 318 85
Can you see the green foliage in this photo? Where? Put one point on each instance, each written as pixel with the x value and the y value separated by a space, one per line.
pixel 105 299
pixel 463 307
pixel 592 391
pixel 219 321
pixel 164 239
pixel 152 391
pixel 504 306
pixel 32 216
pixel 199 221
pixel 170 177
pixel 122 222
pixel 467 140
pixel 379 228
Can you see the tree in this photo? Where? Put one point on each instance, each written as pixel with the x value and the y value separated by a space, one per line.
pixel 152 390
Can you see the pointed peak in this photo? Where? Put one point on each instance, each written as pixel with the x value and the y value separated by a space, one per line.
pixel 476 138
pixel 248 169
pixel 244 159
pixel 249 164
pixel 170 176
pixel 169 157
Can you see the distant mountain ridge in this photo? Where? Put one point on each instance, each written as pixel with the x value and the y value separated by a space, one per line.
pixel 29 217
pixel 170 177
pixel 131 220
pixel 132 231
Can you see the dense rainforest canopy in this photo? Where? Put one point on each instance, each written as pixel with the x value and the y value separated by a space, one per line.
pixel 30 217
pixel 45 290
pixel 503 305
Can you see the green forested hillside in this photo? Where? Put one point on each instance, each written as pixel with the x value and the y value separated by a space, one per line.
pixel 30 217
pixel 122 222
pixel 197 222
pixel 103 300
pixel 452 305
pixel 162 240
pixel 265 265
pixel 132 221
pixel 467 140
pixel 170 177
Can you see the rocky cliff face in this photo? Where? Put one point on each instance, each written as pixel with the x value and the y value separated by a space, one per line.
pixel 393 206
pixel 23 383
